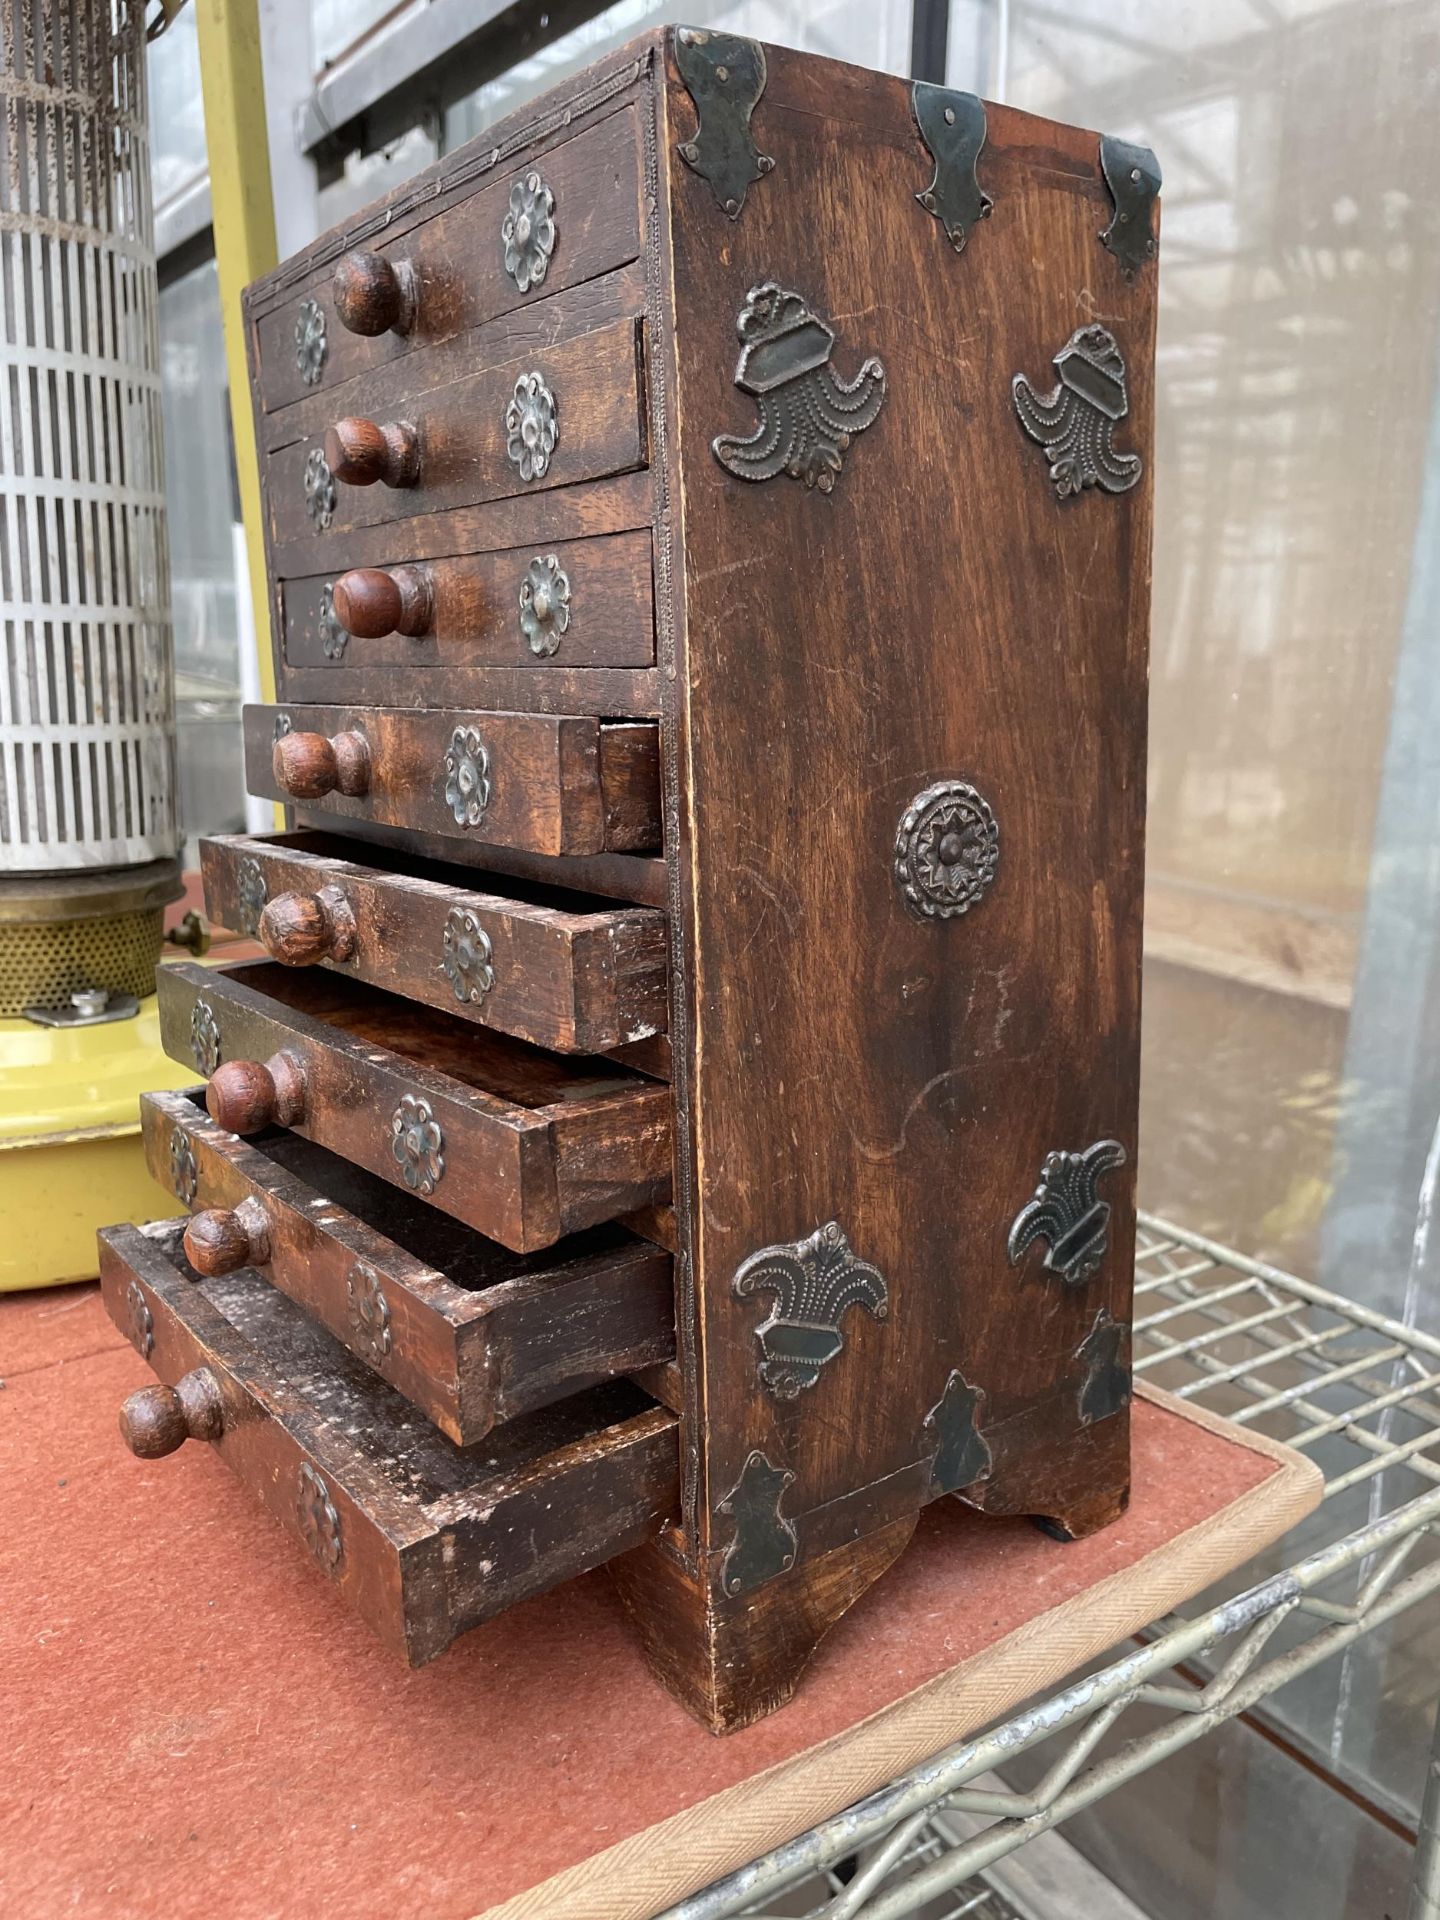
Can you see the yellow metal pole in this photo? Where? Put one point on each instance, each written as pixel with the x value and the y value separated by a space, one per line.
pixel 243 210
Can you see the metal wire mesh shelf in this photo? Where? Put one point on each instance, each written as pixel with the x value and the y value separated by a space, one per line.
pixel 1355 1390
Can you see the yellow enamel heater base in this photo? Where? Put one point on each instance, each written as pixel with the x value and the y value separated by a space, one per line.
pixel 71 1158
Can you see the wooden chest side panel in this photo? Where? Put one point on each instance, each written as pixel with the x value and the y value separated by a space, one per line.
pixel 941 615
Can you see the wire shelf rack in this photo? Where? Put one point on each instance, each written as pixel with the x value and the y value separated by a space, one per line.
pixel 1352 1388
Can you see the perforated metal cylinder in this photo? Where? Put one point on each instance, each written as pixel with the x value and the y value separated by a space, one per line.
pixel 87 727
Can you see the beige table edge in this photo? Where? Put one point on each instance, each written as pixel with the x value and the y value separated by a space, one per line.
pixel 642 1875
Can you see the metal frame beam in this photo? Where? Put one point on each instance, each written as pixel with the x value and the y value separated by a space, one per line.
pixel 243 216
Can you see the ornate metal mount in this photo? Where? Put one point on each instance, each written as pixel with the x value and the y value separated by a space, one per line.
pixel 417 1144
pixel 962 1454
pixel 1075 423
pixel 808 417
pixel 531 427
pixel 1106 1388
pixel 141 1320
pixel 947 848
pixel 319 1520
pixel 952 125
pixel 333 637
pixel 320 495
pixel 310 342
pixel 467 777
pixel 813 1280
pixel 369 1310
pixel 765 1543
pixel 1133 176
pixel 204 1037
pixel 544 605
pixel 527 233
pixel 1068 1214
pixel 184 1170
pixel 468 959
pixel 252 893
pixel 725 77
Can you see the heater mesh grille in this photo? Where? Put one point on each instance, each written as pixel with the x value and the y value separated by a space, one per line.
pixel 43 962
pixel 87 746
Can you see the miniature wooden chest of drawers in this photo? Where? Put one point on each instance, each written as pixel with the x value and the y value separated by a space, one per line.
pixel 692 1093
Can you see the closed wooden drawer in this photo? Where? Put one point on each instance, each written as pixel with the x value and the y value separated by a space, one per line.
pixel 448 274
pixel 526 1146
pixel 423 1538
pixel 542 783
pixel 576 603
pixel 544 418
pixel 473 1334
pixel 556 969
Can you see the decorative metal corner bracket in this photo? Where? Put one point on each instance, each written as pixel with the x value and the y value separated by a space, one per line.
pixel 765 1543
pixel 1133 176
pixel 952 125
pixel 814 1281
pixel 725 77
pixel 808 416
pixel 1067 1213
pixel 1075 423
pixel 952 1430
pixel 1105 1388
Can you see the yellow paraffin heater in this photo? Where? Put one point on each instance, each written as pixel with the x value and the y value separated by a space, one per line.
pixel 89 835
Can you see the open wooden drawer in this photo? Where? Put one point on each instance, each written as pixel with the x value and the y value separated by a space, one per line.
pixel 557 969
pixel 538 782
pixel 424 1539
pixel 474 1335
pixel 524 1145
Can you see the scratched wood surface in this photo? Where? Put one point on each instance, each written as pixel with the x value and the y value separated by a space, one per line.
pixel 423 1538
pixel 534 1144
pixel 941 615
pixel 819 661
pixel 476 620
pixel 468 1331
pixel 563 971
pixel 462 440
pixel 458 263
pixel 555 784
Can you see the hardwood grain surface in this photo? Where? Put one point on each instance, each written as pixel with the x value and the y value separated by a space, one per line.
pixel 556 969
pixel 471 1333
pixel 423 1538
pixel 940 615
pixel 541 783
pixel 531 1145
pixel 458 264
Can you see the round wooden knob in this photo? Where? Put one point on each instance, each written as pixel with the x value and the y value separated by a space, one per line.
pixel 245 1096
pixel 373 601
pixel 360 452
pixel 299 929
pixel 307 766
pixel 157 1420
pixel 374 295
pixel 224 1239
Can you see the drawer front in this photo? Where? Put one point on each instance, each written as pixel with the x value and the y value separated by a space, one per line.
pixel 449 274
pixel 546 418
pixel 580 981
pixel 424 1539
pixel 581 603
pixel 469 1332
pixel 525 1146
pixel 541 783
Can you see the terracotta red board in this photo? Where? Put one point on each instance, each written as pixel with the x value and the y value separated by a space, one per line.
pixel 193 1722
